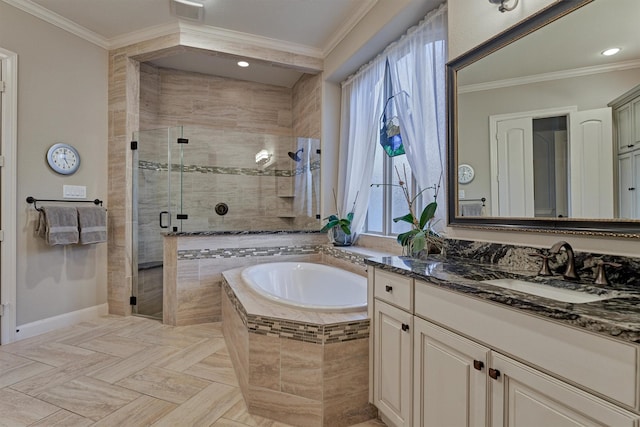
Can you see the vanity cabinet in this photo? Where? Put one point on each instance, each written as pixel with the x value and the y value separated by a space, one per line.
pixel 476 363
pixel 626 114
pixel 629 184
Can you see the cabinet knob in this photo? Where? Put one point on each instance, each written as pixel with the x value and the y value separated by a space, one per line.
pixel 632 188
pixel 405 327
pixel 478 365
pixel 494 373
pixel 630 145
pixel 388 288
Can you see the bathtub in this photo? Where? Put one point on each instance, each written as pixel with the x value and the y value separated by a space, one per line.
pixel 308 286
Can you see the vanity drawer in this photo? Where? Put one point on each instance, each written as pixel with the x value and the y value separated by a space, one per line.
pixel 394 289
pixel 603 365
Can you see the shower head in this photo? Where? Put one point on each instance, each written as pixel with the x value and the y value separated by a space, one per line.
pixel 294 156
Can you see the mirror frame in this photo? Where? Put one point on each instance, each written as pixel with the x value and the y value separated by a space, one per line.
pixel 607 227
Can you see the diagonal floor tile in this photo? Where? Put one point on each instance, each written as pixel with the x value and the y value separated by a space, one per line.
pixel 52 378
pixel 218 367
pixel 55 354
pixel 63 418
pixel 163 384
pixel 18 409
pixel 115 345
pixel 193 354
pixel 143 411
pixel 89 397
pixel 132 364
pixel 204 408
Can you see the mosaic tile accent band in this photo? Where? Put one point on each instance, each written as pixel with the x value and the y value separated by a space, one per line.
pixel 220 170
pixel 298 331
pixel 345 255
pixel 190 254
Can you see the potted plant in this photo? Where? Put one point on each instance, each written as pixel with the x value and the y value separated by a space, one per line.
pixel 421 239
pixel 339 226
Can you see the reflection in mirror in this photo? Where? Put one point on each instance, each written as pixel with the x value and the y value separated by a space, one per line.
pixel 549 123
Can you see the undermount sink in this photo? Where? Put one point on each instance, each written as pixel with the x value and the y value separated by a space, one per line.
pixel 546 291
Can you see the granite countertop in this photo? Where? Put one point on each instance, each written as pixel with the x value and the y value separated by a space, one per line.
pixel 617 317
pixel 235 233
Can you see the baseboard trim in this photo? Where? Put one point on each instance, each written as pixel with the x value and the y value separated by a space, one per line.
pixel 38 327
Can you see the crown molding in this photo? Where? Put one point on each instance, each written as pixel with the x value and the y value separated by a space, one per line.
pixel 545 77
pixel 249 39
pixel 59 21
pixel 342 32
pixel 143 35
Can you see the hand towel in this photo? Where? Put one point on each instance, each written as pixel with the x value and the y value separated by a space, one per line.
pixel 92 222
pixel 471 209
pixel 58 225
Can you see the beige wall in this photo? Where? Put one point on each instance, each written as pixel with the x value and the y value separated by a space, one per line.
pixel 62 97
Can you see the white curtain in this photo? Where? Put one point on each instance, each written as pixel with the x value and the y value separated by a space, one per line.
pixel 360 116
pixel 417 67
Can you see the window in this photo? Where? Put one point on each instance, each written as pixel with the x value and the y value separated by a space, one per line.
pixel 387 201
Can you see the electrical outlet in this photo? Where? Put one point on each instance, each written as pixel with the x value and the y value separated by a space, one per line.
pixel 74 191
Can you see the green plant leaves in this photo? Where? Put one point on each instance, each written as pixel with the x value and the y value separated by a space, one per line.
pixel 428 213
pixel 406 218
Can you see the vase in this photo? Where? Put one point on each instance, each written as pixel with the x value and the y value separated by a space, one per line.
pixel 340 238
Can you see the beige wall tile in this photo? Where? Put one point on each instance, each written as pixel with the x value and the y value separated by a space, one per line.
pixel 301 368
pixel 348 410
pixel 284 407
pixel 346 368
pixel 264 361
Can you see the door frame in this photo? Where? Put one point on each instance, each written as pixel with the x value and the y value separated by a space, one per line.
pixel 493 139
pixel 8 139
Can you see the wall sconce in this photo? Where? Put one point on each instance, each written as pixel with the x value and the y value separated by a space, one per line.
pixel 504 8
pixel 263 157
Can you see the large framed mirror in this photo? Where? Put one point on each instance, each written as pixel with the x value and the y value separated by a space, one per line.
pixel 544 130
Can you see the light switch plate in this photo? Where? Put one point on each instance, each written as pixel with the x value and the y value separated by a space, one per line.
pixel 74 191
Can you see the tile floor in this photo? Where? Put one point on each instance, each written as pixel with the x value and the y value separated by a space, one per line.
pixel 124 371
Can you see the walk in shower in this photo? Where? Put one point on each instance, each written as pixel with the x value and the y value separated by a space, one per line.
pixel 200 179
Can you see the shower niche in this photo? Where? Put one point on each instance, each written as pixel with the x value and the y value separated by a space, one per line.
pixel 190 179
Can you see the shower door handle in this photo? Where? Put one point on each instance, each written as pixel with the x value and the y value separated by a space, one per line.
pixel 160 219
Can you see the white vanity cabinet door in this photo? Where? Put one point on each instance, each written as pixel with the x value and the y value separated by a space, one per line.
pixel 524 397
pixel 392 363
pixel 450 381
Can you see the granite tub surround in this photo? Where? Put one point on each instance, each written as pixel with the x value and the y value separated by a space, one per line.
pixel 296 366
pixel 467 264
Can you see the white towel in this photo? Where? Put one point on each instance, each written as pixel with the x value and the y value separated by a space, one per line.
pixel 58 225
pixel 471 209
pixel 92 222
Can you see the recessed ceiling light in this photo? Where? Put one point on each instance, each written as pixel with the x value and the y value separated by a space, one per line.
pixel 243 64
pixel 611 51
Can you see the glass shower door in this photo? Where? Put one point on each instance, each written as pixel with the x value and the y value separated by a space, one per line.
pixel 157 175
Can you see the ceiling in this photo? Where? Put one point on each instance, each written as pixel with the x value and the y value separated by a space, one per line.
pixel 313 27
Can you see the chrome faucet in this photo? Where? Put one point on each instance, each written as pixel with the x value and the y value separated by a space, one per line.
pixel 570 271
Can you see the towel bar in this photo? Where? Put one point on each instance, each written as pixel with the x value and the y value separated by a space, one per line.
pixel 483 200
pixel 34 201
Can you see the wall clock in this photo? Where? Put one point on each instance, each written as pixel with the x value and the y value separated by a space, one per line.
pixel 63 158
pixel 465 174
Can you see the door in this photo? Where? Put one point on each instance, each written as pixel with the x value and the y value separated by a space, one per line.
pixel 392 369
pixel 524 397
pixel 450 381
pixel 591 167
pixel 513 179
pixel 629 185
pixel 157 184
pixel 8 221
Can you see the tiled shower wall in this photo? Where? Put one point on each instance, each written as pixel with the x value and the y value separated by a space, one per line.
pixel 227 122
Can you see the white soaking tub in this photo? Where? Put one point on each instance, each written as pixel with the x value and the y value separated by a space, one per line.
pixel 308 286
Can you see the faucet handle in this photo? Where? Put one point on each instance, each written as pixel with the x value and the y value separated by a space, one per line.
pixel 601 275
pixel 544 268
